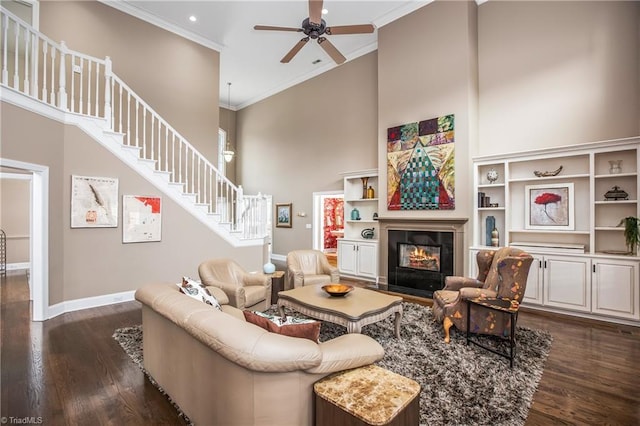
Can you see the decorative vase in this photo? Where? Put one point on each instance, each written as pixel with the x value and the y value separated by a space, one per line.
pixel 495 238
pixel 371 193
pixel 269 268
pixel 615 166
pixel 365 180
pixel 355 214
pixel 490 225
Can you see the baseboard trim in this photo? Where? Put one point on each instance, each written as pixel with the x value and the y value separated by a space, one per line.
pixel 18 266
pixel 89 302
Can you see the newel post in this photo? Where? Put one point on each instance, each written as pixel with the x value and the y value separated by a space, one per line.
pixel 62 80
pixel 108 81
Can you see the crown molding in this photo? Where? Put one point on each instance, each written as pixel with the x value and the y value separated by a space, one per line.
pixel 127 8
pixel 401 11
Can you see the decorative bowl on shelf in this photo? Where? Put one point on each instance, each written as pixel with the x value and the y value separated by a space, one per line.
pixel 337 290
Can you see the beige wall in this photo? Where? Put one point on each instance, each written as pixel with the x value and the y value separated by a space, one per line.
pixel 299 141
pixel 176 77
pixel 14 217
pixel 558 73
pixel 427 69
pixel 92 262
pixel 228 124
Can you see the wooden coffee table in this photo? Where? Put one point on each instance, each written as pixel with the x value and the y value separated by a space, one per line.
pixel 353 311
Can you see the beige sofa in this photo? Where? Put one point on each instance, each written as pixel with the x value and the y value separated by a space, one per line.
pixel 222 370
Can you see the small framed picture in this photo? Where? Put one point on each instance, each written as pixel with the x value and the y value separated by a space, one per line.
pixel 283 215
pixel 549 207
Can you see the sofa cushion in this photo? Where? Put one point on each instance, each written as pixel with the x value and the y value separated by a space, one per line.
pixel 293 327
pixel 197 291
pixel 254 294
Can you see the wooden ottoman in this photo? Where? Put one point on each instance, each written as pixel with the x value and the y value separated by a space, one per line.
pixel 367 395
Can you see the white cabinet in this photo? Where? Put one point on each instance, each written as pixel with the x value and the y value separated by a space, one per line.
pixel 567 282
pixel 559 281
pixel 533 291
pixel 615 288
pixel 358 258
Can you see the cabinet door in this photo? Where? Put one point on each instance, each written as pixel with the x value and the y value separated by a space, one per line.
pixel 533 291
pixel 347 257
pixel 367 260
pixel 567 282
pixel 615 288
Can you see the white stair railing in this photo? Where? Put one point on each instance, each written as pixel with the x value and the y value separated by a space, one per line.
pixel 49 72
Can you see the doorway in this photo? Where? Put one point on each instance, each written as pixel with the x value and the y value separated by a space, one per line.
pixel 328 222
pixel 38 234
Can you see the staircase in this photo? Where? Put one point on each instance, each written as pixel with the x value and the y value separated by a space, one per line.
pixel 48 78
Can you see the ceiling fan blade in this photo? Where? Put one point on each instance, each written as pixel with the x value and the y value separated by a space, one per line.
pixel 269 28
pixel 315 11
pixel 331 50
pixel 350 29
pixel 299 45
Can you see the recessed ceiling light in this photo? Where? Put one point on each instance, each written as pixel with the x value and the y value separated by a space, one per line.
pixel 325 11
pixel 193 18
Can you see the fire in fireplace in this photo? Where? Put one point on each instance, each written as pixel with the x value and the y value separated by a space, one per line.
pixel 417 256
pixel 419 261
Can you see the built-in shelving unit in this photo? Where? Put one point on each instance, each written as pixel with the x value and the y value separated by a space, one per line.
pixel 581 267
pixel 357 255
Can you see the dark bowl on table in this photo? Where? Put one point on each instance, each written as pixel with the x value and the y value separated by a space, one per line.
pixel 337 290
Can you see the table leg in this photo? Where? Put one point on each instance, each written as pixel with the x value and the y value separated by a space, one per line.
pixel 281 309
pixel 354 327
pixel 398 320
pixel 468 320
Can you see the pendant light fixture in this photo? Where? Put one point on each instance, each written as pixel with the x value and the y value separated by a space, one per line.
pixel 228 152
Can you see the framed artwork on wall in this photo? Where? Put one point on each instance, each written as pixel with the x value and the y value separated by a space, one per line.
pixel 141 219
pixel 550 207
pixel 283 215
pixel 94 202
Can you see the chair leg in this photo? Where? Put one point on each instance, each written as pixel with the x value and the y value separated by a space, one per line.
pixel 446 324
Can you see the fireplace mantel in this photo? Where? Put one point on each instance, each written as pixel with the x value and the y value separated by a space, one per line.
pixel 442 224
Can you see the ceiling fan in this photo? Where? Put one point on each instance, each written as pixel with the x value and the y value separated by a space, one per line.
pixel 314 27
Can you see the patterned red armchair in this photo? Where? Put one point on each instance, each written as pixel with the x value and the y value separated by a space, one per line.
pixel 501 273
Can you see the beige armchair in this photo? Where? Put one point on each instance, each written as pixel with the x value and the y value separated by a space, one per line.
pixel 244 290
pixel 309 267
pixel 502 273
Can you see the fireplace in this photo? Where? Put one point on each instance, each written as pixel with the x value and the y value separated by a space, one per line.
pixel 420 253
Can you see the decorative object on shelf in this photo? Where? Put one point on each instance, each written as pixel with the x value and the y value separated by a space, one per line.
pixel 492 175
pixel 355 214
pixel 495 238
pixel 494 205
pixel 548 174
pixel 141 219
pixel 615 194
pixel 337 290
pixel 615 166
pixel 490 225
pixel 367 233
pixel 375 216
pixel 549 206
pixel 631 232
pixel 371 193
pixel 365 180
pixel 420 164
pixel 283 215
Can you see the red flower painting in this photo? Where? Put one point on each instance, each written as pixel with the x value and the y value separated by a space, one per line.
pixel 545 199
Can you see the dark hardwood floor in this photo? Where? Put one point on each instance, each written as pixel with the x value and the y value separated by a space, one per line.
pixel 70 371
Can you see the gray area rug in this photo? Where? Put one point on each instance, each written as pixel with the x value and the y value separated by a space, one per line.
pixel 461 385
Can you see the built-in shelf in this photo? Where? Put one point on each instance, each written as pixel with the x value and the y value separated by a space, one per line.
pixel 359 200
pixel 547 178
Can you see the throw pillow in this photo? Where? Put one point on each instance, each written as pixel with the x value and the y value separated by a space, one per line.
pixel 197 291
pixel 293 327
